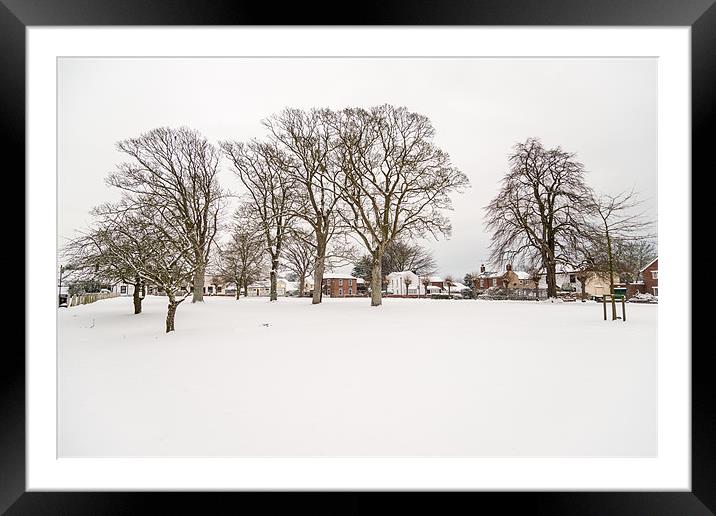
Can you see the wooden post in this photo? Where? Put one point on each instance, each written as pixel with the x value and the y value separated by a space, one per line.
pixel 624 308
pixel 604 303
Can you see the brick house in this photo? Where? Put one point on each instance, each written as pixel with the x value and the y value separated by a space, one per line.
pixel 650 277
pixel 340 285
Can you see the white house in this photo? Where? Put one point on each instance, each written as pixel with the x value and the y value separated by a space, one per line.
pixel 597 283
pixel 405 283
pixel 410 284
pixel 263 288
pixel 123 289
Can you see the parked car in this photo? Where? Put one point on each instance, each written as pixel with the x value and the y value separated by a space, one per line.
pixel 104 291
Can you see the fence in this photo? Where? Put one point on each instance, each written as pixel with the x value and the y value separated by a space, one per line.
pixel 513 294
pixel 85 299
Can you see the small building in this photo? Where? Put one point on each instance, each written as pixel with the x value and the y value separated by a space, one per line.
pixel 263 289
pixel 339 285
pixel 405 283
pixel 567 280
pixel 509 279
pixel 123 289
pixel 650 277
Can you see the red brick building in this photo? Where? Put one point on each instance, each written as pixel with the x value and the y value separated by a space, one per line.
pixel 340 285
pixel 650 277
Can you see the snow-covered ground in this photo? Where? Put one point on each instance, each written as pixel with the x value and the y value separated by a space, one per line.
pixel 414 377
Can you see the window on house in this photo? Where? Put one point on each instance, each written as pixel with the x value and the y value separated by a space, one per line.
pixel 340 282
pixel 573 278
pixel 482 282
pixel 656 290
pixel 218 289
pixel 123 289
pixel 350 291
pixel 494 282
pixel 654 274
pixel 340 291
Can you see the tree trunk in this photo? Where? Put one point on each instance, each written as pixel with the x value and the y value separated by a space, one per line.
pixel 551 279
pixel 583 281
pixel 171 311
pixel 238 290
pixel 318 270
pixel 198 294
pixel 611 276
pixel 376 279
pixel 136 296
pixel 301 285
pixel 274 274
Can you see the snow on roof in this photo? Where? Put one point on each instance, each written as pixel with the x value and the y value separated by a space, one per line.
pixel 649 264
pixel 522 275
pixel 435 278
pixel 400 274
pixel 338 275
pixel 360 280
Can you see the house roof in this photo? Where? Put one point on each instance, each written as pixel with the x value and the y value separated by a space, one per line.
pixel 649 265
pixel 401 274
pixel 338 275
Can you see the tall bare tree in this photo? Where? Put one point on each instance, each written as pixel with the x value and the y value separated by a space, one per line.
pixel 242 258
pixel 395 182
pixel 617 219
pixel 541 206
pixel 261 167
pixel 176 169
pixel 309 141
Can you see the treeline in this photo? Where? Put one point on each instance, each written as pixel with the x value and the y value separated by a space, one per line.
pixel 314 180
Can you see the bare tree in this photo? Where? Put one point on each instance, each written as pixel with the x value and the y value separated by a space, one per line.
pixel 408 281
pixel 309 141
pixel 301 257
pixel 617 218
pixel 395 182
pixel 401 255
pixel 241 259
pixel 177 170
pixel 542 204
pixel 449 282
pixel 261 167
pixel 95 254
pixel 633 255
pixel 167 261
pixel 425 280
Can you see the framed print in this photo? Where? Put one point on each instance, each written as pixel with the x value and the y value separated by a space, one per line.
pixel 416 252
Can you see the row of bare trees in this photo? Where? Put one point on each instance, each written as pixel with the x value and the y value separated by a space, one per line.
pixel 545 215
pixel 317 176
pixel 316 179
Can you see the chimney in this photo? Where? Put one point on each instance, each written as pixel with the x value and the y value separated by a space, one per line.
pixel 482 268
pixel 508 267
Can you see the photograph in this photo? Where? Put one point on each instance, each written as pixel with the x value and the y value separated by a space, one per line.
pixel 357 257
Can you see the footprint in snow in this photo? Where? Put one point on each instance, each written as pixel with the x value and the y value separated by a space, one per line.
pixel 266 324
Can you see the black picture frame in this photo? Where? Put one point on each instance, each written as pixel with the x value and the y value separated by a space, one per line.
pixel 16 15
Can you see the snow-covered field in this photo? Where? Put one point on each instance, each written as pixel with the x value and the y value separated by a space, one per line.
pixel 414 377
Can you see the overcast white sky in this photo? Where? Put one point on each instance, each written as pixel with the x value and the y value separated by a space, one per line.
pixel 604 110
